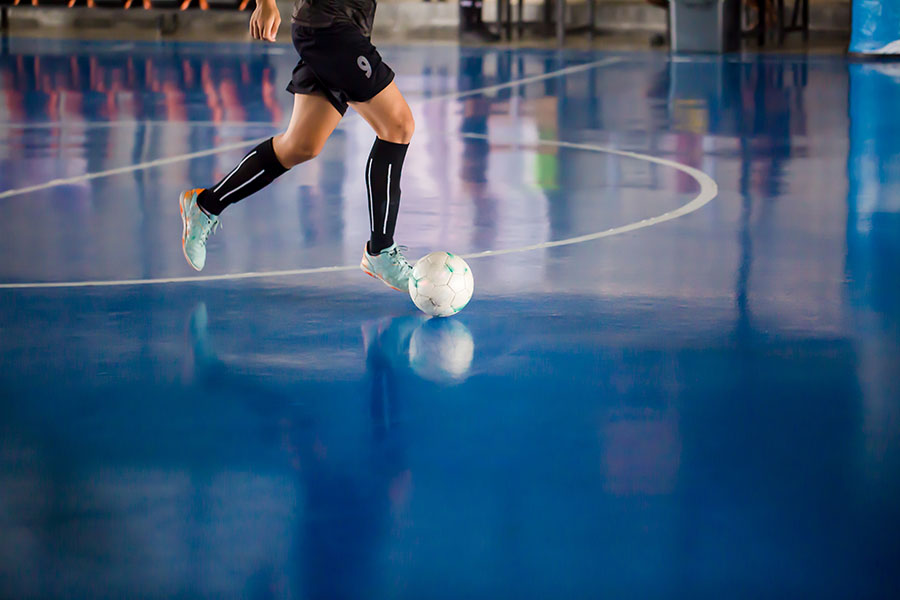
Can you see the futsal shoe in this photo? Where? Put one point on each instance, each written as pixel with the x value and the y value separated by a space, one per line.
pixel 389 265
pixel 197 225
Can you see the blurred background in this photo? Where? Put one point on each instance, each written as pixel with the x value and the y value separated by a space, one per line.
pixel 610 22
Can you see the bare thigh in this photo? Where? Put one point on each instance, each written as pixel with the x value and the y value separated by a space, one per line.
pixel 388 114
pixel 312 121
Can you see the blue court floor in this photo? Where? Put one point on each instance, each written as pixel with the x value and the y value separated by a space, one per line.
pixel 695 393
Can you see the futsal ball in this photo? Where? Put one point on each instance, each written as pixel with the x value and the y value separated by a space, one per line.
pixel 441 350
pixel 441 284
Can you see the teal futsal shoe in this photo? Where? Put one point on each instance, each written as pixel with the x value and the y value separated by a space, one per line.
pixel 389 265
pixel 197 227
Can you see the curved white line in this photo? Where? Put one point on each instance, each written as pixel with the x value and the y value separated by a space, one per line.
pixel 708 190
pixel 174 159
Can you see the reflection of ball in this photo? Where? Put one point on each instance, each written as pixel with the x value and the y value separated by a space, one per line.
pixel 441 284
pixel 441 350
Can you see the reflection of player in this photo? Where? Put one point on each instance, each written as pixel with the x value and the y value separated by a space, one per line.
pixel 356 490
pixel 338 67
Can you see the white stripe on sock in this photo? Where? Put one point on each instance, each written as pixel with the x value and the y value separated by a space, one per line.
pixel 387 207
pixel 242 185
pixel 215 191
pixel 369 192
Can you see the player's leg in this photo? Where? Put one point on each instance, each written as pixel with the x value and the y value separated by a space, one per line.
pixel 390 117
pixel 312 123
pixel 313 120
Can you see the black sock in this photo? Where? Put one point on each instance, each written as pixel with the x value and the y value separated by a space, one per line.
pixel 383 184
pixel 257 170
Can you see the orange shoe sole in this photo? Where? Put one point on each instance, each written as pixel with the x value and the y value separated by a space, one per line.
pixel 184 224
pixel 362 265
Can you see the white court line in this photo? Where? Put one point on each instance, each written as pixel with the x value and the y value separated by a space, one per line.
pixel 526 80
pixel 708 190
pixel 173 159
pixel 145 165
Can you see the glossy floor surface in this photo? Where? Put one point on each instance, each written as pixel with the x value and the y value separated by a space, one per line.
pixel 701 401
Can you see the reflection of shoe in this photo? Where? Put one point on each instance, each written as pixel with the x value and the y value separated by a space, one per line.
pixel 197 225
pixel 388 337
pixel 203 357
pixel 199 328
pixel 390 266
pixel 199 323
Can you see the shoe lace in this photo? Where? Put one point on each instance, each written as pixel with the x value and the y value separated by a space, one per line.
pixel 398 258
pixel 206 231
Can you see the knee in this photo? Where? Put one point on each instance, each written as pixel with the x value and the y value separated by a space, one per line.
pixel 291 153
pixel 400 128
pixel 298 153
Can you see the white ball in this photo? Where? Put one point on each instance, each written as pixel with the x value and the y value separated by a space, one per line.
pixel 441 284
pixel 441 350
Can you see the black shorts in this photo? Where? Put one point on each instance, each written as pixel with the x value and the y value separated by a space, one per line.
pixel 339 62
